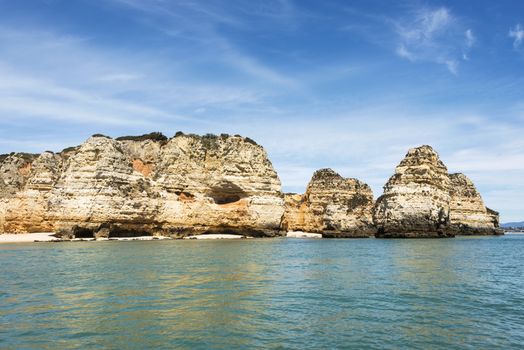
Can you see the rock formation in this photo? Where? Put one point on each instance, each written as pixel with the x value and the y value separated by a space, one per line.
pixel 468 215
pixel 422 200
pixel 332 205
pixel 143 185
pixel 28 181
pixel 188 184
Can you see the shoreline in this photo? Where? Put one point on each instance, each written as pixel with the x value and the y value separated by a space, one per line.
pixel 50 237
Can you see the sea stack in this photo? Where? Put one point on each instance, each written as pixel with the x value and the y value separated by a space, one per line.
pixel 332 205
pixel 422 200
pixel 143 185
pixel 416 198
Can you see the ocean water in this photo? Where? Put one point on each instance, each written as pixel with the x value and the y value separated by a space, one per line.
pixel 462 293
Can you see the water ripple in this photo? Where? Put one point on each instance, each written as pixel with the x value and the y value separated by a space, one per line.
pixel 464 293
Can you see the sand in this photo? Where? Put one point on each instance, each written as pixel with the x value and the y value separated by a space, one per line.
pixel 300 234
pixel 48 237
pixel 28 237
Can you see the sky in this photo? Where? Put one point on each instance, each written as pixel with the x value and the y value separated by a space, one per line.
pixel 350 85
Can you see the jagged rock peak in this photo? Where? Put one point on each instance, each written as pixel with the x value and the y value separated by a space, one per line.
pixel 463 186
pixel 416 198
pixel 325 173
pixel 422 200
pixel 332 205
pixel 420 165
pixel 424 154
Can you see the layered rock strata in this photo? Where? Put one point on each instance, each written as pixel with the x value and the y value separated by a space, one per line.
pixel 143 185
pixel 332 205
pixel 422 200
pixel 188 184
pixel 468 214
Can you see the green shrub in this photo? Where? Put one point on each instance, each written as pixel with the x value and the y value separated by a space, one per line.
pixel 153 136
pixel 101 135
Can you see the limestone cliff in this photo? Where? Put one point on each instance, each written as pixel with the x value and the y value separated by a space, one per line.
pixel 332 205
pixel 422 200
pixel 468 215
pixel 143 185
pixel 188 184
pixel 29 180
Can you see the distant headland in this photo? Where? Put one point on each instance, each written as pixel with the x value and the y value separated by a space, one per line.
pixel 188 185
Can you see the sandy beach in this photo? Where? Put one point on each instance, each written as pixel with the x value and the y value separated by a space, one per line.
pixel 49 237
pixel 28 237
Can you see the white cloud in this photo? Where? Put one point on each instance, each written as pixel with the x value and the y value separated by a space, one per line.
pixel 469 38
pixel 469 42
pixel 517 33
pixel 452 66
pixel 118 77
pixel 434 35
pixel 404 53
pixel 425 26
pixel 45 75
pixel 177 19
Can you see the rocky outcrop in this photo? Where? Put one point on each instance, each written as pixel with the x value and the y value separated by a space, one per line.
pixel 189 184
pixel 422 200
pixel 26 209
pixel 332 205
pixel 143 185
pixel 468 215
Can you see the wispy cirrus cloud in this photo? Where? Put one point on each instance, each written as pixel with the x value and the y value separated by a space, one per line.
pixel 280 71
pixel 177 19
pixel 49 76
pixel 434 35
pixel 517 33
pixel 469 42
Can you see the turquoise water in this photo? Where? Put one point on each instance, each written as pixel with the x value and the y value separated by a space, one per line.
pixel 462 293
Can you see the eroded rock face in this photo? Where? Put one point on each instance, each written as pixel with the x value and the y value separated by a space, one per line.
pixel 468 215
pixel 190 184
pixel 422 200
pixel 416 198
pixel 28 209
pixel 332 205
pixel 18 172
pixel 106 187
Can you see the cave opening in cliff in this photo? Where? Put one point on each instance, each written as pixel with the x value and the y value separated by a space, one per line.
pixel 83 232
pixel 117 232
pixel 226 199
pixel 226 192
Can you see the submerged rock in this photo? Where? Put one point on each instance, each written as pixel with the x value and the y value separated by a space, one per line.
pixel 146 185
pixel 332 205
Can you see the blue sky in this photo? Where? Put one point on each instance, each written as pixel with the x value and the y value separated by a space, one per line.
pixel 349 85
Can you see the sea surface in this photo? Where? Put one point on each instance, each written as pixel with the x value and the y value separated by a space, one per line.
pixel 461 293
